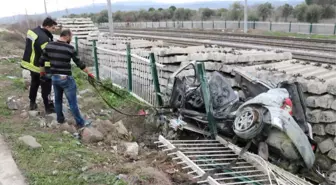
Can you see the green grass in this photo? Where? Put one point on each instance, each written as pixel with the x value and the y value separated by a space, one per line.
pixel 298 35
pixel 61 160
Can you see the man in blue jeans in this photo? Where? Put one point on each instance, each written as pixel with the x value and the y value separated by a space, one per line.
pixel 59 54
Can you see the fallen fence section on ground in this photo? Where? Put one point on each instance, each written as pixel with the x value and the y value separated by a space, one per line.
pixel 208 160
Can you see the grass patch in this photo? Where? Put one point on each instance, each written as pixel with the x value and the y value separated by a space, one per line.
pixel 298 35
pixel 61 160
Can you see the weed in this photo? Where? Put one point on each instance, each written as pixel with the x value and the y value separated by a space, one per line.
pixel 298 35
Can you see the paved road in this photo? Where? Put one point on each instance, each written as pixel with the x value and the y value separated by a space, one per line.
pixel 9 172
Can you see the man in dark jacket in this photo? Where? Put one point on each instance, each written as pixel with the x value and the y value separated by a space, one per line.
pixel 59 54
pixel 36 41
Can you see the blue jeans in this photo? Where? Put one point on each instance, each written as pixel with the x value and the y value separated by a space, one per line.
pixel 67 85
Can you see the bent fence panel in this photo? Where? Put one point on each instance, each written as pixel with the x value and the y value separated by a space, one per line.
pixel 113 65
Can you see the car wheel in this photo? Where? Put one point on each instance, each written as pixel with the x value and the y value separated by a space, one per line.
pixel 248 123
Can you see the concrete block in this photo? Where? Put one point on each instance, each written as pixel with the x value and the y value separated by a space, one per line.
pixel 319 129
pixel 313 116
pixel 332 154
pixel 326 145
pixel 331 129
pixel 325 101
pixel 328 117
pixel 319 139
pixel 316 87
pixel 333 105
pixel 332 87
pixel 311 101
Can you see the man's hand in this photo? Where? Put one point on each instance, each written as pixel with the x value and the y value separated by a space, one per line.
pixel 43 76
pixel 91 75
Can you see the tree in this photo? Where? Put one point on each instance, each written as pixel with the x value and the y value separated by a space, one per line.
pixel 253 16
pixel 236 11
pixel 207 13
pixel 183 14
pixel 221 12
pixel 265 10
pixel 329 12
pixel 286 11
pixel 160 9
pixel 314 13
pixel 102 16
pixel 309 2
pixel 151 9
pixel 172 8
pixel 300 12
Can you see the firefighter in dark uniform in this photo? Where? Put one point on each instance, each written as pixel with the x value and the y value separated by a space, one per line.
pixel 36 41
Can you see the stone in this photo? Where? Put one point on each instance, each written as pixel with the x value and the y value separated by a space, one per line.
pixel 332 87
pixel 33 113
pixel 131 149
pixel 313 116
pixel 91 135
pixel 332 154
pixel 325 101
pixel 331 129
pixel 24 115
pixel 318 129
pixel 50 117
pixel 85 91
pixel 43 123
pixel 69 128
pixel 121 129
pixel 12 103
pixel 316 88
pixel 30 141
pixel 54 124
pixel 105 127
pixel 326 145
pixel 333 105
pixel 328 116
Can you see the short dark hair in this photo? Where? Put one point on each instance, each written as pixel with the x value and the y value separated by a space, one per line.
pixel 65 33
pixel 49 22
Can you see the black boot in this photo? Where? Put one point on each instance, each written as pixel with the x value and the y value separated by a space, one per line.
pixel 32 106
pixel 50 108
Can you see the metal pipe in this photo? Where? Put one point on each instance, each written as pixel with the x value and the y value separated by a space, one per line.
pixel 245 17
pixel 110 18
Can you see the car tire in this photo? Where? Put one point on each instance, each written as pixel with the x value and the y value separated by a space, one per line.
pixel 248 123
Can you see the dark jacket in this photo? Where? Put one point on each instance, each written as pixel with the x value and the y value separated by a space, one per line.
pixel 36 41
pixel 60 54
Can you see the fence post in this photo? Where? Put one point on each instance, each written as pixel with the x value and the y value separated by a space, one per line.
pixel 239 24
pixel 182 25
pixel 311 28
pixel 192 24
pixel 254 25
pixel 225 23
pixel 129 67
pixel 335 29
pixel 95 58
pixel 202 26
pixel 76 44
pixel 174 25
pixel 152 24
pixel 213 24
pixel 206 97
pixel 270 25
pixel 290 26
pixel 155 79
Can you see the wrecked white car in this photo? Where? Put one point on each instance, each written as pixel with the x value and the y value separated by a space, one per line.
pixel 270 116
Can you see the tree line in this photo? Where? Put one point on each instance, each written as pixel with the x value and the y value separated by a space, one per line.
pixel 309 11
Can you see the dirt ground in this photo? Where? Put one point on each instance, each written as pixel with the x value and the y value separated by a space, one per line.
pixel 66 160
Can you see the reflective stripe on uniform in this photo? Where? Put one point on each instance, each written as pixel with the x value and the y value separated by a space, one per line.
pixel 31 35
pixel 30 66
pixel 44 45
pixel 46 64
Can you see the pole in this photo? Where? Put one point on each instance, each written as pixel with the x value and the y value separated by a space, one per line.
pixel 245 17
pixel 155 79
pixel 45 8
pixel 27 19
pixel 109 7
pixel 129 67
pixel 95 55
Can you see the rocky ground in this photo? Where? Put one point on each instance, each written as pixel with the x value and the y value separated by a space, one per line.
pixel 116 150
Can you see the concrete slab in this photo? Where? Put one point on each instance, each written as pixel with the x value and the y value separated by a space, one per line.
pixel 9 172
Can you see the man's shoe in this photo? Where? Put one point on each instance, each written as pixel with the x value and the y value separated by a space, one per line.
pixel 50 109
pixel 33 106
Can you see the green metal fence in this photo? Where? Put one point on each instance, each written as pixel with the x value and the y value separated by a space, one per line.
pixel 139 75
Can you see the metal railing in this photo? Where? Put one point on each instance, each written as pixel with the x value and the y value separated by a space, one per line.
pixel 290 27
pixel 139 75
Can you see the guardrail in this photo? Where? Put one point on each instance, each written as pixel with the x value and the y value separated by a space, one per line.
pixel 305 28
pixel 139 75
